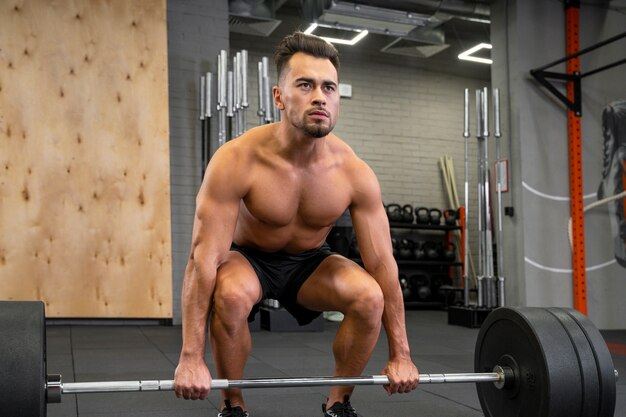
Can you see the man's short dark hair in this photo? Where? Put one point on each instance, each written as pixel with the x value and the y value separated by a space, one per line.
pixel 309 44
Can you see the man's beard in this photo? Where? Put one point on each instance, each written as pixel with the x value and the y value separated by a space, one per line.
pixel 317 131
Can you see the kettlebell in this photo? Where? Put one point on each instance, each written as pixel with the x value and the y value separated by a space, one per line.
pixel 418 251
pixel 435 216
pixel 405 285
pixel 449 217
pixel 431 250
pixel 406 249
pixel 421 285
pixel 449 251
pixel 435 285
pixel 394 212
pixel 407 213
pixel 421 215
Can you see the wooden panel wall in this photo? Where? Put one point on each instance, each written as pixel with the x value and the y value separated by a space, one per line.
pixel 84 157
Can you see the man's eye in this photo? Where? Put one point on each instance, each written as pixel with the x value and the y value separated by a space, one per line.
pixel 330 88
pixel 305 85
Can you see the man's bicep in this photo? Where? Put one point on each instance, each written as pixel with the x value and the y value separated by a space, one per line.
pixel 217 209
pixel 370 223
pixel 215 221
pixel 372 232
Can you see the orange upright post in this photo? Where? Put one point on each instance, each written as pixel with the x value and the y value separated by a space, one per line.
pixel 572 18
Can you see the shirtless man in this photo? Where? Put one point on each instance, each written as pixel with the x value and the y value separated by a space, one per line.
pixel 265 207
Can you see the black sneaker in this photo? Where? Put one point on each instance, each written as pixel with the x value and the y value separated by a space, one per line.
pixel 229 411
pixel 338 409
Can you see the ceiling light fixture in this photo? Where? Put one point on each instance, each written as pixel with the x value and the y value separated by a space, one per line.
pixel 360 34
pixel 467 55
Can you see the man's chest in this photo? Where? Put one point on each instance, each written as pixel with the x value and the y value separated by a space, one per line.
pixel 306 200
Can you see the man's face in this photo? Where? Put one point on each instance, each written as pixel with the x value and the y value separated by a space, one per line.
pixel 308 94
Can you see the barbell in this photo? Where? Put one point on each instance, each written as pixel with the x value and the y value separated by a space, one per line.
pixel 533 362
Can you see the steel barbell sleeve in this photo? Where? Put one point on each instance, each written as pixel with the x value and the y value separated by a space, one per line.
pixel 244 78
pixel 222 82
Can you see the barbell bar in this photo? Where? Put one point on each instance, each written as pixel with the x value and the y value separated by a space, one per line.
pixel 56 385
pixel 541 362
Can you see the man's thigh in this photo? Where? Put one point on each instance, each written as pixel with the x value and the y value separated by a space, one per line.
pixel 336 282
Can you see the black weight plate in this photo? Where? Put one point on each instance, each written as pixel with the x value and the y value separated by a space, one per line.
pixel 604 363
pixel 22 352
pixel 590 380
pixel 534 343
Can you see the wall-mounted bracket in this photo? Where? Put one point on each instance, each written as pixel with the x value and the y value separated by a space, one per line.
pixel 543 76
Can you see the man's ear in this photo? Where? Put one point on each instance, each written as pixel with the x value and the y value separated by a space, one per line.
pixel 278 99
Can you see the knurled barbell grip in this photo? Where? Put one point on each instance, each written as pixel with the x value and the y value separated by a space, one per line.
pixel 168 385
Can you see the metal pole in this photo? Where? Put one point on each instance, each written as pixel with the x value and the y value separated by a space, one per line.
pixel 490 282
pixel 208 108
pixel 466 135
pixel 481 272
pixel 267 93
pixel 168 385
pixel 222 126
pixel 202 97
pixel 208 113
pixel 236 94
pixel 203 128
pixel 570 56
pixel 498 134
pixel 243 63
pixel 230 104
pixel 261 112
pixel 244 78
pixel 222 81
pixel 485 103
pixel 223 73
pixel 489 271
pixel 482 246
pixel 218 104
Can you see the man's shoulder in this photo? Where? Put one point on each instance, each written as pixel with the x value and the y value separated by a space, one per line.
pixel 260 133
pixel 350 159
pixel 247 143
pixel 341 149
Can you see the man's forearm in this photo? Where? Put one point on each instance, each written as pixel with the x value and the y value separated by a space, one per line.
pixel 196 304
pixel 393 313
pixel 395 327
pixel 393 318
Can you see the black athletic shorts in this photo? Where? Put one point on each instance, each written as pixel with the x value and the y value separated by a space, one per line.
pixel 282 274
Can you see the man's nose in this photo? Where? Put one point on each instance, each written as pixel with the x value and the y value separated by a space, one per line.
pixel 318 98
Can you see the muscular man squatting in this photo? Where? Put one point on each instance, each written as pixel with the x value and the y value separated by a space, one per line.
pixel 267 202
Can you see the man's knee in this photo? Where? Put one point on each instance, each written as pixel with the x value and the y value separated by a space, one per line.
pixel 234 296
pixel 367 299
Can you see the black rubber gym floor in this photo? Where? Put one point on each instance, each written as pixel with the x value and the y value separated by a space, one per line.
pixel 130 352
